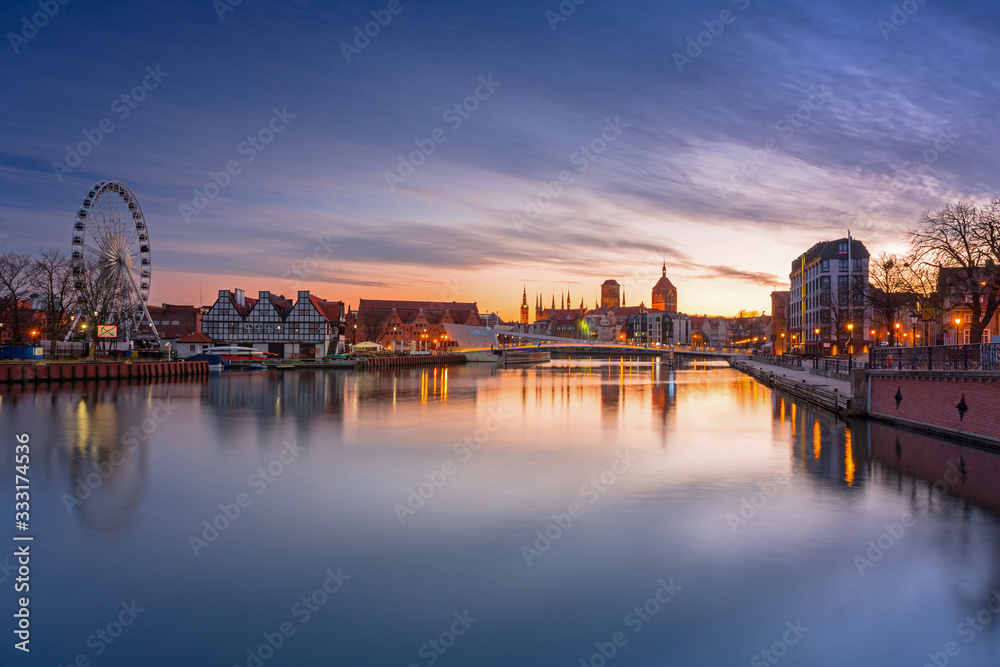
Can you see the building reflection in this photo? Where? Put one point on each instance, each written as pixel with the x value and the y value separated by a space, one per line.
pixel 90 441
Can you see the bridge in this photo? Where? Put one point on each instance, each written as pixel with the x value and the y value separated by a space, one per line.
pixel 469 337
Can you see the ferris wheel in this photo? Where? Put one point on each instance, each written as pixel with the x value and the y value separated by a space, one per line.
pixel 112 264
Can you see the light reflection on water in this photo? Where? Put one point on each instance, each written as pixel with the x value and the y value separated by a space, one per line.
pixel 427 487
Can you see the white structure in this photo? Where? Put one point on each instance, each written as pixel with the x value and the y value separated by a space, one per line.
pixel 310 328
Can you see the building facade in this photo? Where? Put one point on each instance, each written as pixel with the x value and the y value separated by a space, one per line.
pixel 309 328
pixel 173 322
pixel 611 294
pixel 827 300
pixel 412 325
pixel 664 293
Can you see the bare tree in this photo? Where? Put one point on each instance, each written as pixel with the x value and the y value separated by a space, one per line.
pixel 889 295
pixel 15 280
pixel 52 276
pixel 373 323
pixel 957 241
pixel 102 298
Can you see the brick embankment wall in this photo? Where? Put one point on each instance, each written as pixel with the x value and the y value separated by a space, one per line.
pixel 953 403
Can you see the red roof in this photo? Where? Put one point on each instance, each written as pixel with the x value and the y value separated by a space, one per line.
pixel 664 283
pixel 198 337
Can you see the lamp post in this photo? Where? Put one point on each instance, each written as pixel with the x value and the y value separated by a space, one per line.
pixel 958 321
pixel 782 343
pixel 895 335
pixel 819 348
pixel 850 346
pixel 914 317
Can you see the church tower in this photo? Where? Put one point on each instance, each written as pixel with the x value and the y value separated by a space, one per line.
pixel 524 305
pixel 610 294
pixel 664 293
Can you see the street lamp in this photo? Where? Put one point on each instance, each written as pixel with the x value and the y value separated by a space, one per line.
pixel 819 349
pixel 958 320
pixel 914 318
pixel 895 336
pixel 782 343
pixel 850 346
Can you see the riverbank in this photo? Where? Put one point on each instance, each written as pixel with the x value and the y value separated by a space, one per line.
pixel 829 393
pixel 25 372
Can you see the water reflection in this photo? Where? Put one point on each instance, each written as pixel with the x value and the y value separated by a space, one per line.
pixel 702 438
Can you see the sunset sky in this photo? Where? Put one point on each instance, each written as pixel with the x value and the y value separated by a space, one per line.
pixel 842 115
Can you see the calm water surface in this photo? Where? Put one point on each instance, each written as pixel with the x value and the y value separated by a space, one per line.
pixel 470 516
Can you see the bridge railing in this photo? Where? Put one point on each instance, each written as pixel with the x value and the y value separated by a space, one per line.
pixel 974 357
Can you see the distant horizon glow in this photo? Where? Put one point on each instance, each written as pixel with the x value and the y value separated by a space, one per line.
pixel 469 151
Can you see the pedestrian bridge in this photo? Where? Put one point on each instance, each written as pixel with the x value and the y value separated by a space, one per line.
pixel 469 337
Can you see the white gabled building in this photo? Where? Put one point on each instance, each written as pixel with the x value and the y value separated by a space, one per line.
pixel 309 328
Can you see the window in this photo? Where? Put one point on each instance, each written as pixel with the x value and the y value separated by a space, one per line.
pixel 967 333
pixel 826 266
pixel 842 283
pixel 191 348
pixel 968 317
pixel 843 265
pixel 857 266
pixel 824 282
pixel 843 247
pixel 825 299
pixel 842 298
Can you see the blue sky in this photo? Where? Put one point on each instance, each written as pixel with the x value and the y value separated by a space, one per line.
pixel 661 177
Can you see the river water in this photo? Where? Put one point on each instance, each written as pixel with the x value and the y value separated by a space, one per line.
pixel 572 513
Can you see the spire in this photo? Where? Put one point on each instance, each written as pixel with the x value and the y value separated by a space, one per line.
pixel 623 297
pixel 664 267
pixel 553 300
pixel 569 301
pixel 562 301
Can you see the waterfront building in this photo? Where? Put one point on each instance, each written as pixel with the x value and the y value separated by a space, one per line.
pixel 611 294
pixel 412 325
pixel 173 322
pixel 829 286
pixel 310 328
pixel 664 293
pixel 953 326
pixel 777 330
pixel 192 344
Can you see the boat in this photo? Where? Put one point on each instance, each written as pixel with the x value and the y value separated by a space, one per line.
pixel 255 366
pixel 215 362
pixel 239 353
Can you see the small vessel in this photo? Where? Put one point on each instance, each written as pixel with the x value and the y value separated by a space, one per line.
pixel 239 353
pixel 256 366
